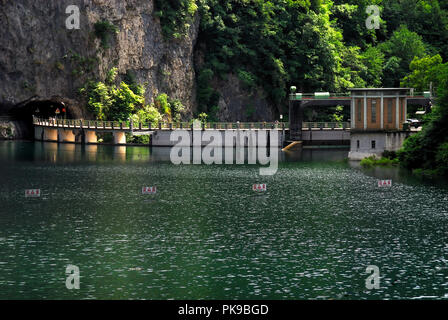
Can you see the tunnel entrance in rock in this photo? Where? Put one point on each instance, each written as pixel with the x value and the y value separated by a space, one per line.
pixel 39 108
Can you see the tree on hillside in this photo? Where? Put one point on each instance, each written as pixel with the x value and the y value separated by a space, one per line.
pixel 428 149
pixel 428 18
pixel 350 16
pixel 423 71
pixel 373 60
pixel 400 50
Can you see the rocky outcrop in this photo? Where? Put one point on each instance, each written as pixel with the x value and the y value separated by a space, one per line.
pixel 12 129
pixel 237 103
pixel 43 60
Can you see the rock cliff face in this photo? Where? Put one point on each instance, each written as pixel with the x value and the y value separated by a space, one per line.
pixel 238 104
pixel 42 60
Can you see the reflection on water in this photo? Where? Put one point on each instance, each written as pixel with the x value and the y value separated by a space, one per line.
pixel 65 153
pixel 399 175
pixel 207 235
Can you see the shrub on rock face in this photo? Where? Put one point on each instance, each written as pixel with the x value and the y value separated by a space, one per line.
pixel 6 131
pixel 442 158
pixel 104 30
pixel 148 114
pixel 106 101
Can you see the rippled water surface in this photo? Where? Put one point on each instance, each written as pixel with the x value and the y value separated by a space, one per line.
pixel 207 235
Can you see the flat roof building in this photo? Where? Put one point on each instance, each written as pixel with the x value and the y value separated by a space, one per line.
pixel 377 109
pixel 377 120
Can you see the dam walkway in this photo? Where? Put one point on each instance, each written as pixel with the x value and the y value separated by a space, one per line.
pixel 87 131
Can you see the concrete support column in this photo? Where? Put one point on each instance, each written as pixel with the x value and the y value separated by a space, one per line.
pixel 66 135
pixel 365 110
pixel 353 113
pixel 119 137
pixel 405 109
pixel 382 110
pixel 295 120
pixel 50 134
pixel 397 116
pixel 38 133
pixel 90 136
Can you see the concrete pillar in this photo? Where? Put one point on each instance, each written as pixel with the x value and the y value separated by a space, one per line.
pixel 397 116
pixel 295 120
pixel 405 109
pixel 382 110
pixel 38 133
pixel 50 134
pixel 66 135
pixel 119 137
pixel 90 136
pixel 353 115
pixel 365 110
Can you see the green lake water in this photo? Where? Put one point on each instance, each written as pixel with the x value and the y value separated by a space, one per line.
pixel 207 235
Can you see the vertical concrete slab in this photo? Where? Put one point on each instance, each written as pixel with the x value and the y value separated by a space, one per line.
pixel 38 133
pixel 50 134
pixel 119 137
pixel 66 135
pixel 90 136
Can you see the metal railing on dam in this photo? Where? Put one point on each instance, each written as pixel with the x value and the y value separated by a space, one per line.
pixel 90 131
pixel 129 126
pixel 346 96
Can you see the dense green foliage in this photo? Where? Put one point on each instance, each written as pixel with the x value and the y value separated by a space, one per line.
pixel 176 16
pixel 104 30
pixel 108 101
pixel 428 150
pixel 400 50
pixel 372 161
pixel 259 41
pixel 315 45
pixel 423 71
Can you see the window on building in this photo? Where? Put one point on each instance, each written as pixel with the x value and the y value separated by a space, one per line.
pixel 374 111
pixel 357 144
pixel 389 111
pixel 359 110
pixel 373 144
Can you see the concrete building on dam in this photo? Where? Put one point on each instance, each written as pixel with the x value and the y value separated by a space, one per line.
pixel 378 116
